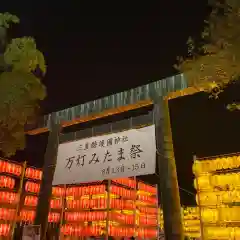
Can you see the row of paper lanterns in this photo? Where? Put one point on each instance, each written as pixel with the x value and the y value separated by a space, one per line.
pixel 29 216
pixel 85 190
pixel 148 210
pixel 121 231
pixel 11 168
pixel 71 230
pixel 222 181
pixel 218 198
pixel 122 218
pixel 72 191
pixel 35 188
pixel 216 190
pixel 16 169
pixel 147 199
pixel 148 220
pixel 100 189
pixel 229 233
pixel 99 203
pixel 98 216
pixel 33 200
pixel 129 232
pixel 147 233
pixel 32 173
pixel 123 192
pixel 126 182
pixel 146 188
pixel 205 166
pixel 25 215
pixel 223 214
pixel 7 214
pixel 85 216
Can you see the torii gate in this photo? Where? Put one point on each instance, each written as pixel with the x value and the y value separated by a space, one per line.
pixel 157 93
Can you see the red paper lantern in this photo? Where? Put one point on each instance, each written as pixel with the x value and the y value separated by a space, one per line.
pixel 31 201
pixel 86 190
pixel 4 229
pixel 11 168
pixel 147 188
pixel 126 181
pixel 56 203
pixel 9 197
pixel 32 187
pixel 7 182
pixel 33 173
pixel 27 215
pixel 58 191
pixel 53 217
pixel 7 214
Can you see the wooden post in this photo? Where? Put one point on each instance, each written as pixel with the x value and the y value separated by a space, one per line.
pixel 135 209
pixel 63 198
pixel 50 159
pixel 167 172
pixel 158 216
pixel 108 208
pixel 18 208
pixel 199 205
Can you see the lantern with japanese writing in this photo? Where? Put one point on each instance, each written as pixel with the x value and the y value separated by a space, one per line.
pixel 31 201
pixel 58 191
pixel 32 187
pixel 9 197
pixel 126 181
pixel 27 215
pixel 7 182
pixel 4 229
pixel 11 168
pixel 86 190
pixel 33 173
pixel 147 188
pixel 53 217
pixel 7 214
pixel 56 203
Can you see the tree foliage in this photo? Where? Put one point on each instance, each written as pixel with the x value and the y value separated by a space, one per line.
pixel 20 87
pixel 213 62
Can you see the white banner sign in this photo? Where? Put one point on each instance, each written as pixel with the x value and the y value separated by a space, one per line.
pixel 117 155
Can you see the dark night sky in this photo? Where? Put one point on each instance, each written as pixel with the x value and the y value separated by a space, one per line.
pixel 94 49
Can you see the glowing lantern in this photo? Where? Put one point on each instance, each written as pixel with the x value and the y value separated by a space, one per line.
pixel 4 229
pixel 31 201
pixel 32 187
pixel 7 182
pixel 9 197
pixel 11 168
pixel 33 173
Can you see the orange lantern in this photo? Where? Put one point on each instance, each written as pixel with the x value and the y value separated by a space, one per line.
pixel 32 187
pixel 7 182
pixel 27 215
pixel 58 191
pixel 31 201
pixel 11 168
pixel 4 229
pixel 9 197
